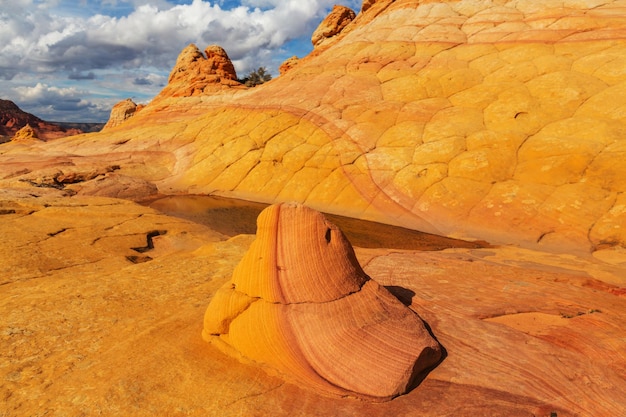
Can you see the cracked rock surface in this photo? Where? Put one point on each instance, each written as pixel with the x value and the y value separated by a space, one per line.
pixel 300 303
pixel 496 120
pixel 86 331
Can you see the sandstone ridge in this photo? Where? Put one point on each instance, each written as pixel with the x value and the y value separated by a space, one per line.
pixel 499 120
pixel 470 120
pixel 300 304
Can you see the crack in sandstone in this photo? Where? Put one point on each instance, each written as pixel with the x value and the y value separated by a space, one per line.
pixel 259 394
pixel 255 299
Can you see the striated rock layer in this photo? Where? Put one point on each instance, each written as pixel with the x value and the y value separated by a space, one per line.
pixel 499 120
pixel 300 304
pixel 103 299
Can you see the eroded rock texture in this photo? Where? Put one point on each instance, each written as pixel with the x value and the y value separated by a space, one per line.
pixel 196 73
pixel 333 24
pixel 300 304
pixel 121 112
pixel 25 133
pixel 501 121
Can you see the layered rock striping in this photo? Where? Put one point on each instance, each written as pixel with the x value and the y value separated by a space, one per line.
pixel 492 120
pixel 499 120
pixel 300 304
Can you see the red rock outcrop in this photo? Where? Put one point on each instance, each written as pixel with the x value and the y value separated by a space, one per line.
pixel 333 24
pixel 300 304
pixel 12 119
pixel 197 74
pixel 122 111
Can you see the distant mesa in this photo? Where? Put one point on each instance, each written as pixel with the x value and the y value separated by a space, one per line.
pixel 300 304
pixel 12 119
pixel 333 24
pixel 122 111
pixel 197 74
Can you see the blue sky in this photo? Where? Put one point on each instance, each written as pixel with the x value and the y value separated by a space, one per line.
pixel 72 60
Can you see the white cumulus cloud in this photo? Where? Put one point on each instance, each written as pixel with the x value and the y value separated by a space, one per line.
pixel 93 42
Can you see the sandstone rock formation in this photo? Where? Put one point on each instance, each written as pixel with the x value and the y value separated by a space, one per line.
pixel 527 333
pixel 300 304
pixel 12 119
pixel 366 5
pixel 25 133
pixel 219 62
pixel 122 111
pixel 333 24
pixel 196 74
pixel 497 120
pixel 478 120
pixel 288 64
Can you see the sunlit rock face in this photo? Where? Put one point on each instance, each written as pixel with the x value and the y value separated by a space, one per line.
pixel 288 64
pixel 197 74
pixel 300 304
pixel 496 120
pixel 121 112
pixel 333 24
pixel 488 120
pixel 24 134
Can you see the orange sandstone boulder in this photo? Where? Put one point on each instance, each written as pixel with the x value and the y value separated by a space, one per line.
pixel 299 303
pixel 219 62
pixel 120 112
pixel 334 23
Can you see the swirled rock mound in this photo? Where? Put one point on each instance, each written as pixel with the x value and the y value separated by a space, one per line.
pixel 300 304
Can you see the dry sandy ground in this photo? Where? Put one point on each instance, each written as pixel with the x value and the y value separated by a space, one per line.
pixel 91 326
